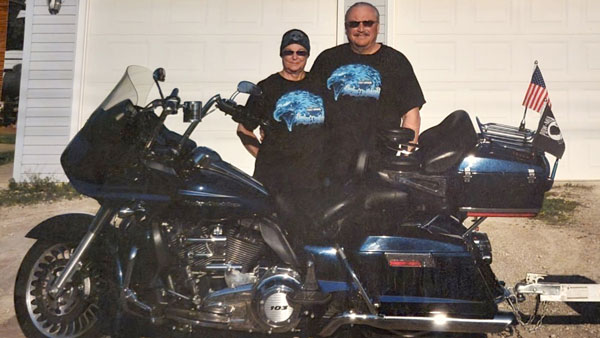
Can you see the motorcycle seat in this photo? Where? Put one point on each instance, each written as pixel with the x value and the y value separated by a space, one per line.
pixel 353 200
pixel 402 163
pixel 445 145
pixel 389 140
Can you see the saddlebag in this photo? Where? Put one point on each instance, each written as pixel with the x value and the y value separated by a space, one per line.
pixel 419 273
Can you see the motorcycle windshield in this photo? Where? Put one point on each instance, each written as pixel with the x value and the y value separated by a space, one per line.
pixel 135 85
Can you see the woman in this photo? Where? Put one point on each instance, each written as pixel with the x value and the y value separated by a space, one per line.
pixel 289 157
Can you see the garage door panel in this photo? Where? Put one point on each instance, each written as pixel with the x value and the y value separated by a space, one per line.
pixel 437 58
pixel 112 16
pixel 591 51
pixel 295 12
pixel 185 56
pixel 592 12
pixel 584 105
pixel 552 54
pixel 187 11
pixel 490 58
pixel 492 12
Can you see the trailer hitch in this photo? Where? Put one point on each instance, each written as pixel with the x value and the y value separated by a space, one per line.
pixel 557 292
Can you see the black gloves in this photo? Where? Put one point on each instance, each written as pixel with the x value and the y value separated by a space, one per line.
pixel 238 113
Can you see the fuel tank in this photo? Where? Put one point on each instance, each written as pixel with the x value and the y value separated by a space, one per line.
pixel 224 190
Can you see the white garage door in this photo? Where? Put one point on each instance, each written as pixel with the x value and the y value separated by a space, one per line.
pixel 205 46
pixel 478 55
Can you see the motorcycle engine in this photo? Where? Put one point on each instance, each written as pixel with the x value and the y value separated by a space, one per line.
pixel 269 301
pixel 226 251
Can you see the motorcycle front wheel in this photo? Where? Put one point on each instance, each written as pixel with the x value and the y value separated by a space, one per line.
pixel 75 312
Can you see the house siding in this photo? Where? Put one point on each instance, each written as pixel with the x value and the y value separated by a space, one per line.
pixel 45 110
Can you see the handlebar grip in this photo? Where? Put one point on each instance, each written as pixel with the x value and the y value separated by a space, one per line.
pixel 238 112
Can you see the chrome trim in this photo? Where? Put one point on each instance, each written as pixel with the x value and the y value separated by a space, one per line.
pixel 499 210
pixel 207 240
pixel 203 194
pixel 222 267
pixel 435 323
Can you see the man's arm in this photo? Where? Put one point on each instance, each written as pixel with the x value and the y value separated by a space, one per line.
pixel 412 120
pixel 249 140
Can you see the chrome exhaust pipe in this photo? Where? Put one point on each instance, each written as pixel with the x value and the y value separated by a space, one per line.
pixel 436 323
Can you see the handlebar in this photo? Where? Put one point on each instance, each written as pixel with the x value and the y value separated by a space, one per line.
pixel 172 103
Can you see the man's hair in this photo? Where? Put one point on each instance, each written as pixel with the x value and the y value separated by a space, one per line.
pixel 361 3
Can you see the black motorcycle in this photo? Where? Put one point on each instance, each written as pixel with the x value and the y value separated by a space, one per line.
pixel 185 242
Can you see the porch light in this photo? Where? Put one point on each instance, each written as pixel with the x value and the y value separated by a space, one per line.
pixel 54 6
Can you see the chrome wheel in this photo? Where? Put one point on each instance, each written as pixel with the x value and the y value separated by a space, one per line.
pixel 72 313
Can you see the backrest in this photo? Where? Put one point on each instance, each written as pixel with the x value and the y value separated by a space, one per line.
pixel 446 144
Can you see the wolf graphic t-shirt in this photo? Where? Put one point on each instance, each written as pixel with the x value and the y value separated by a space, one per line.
pixel 291 153
pixel 362 93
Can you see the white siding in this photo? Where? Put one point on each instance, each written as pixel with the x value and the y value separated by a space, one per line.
pixel 45 106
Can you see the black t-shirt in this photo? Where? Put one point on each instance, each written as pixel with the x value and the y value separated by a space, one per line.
pixel 292 150
pixel 362 94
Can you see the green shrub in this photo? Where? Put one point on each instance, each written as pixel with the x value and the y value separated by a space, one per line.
pixel 10 139
pixel 7 157
pixel 36 190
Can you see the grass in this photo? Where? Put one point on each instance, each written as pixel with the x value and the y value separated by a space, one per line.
pixel 36 190
pixel 576 186
pixel 559 205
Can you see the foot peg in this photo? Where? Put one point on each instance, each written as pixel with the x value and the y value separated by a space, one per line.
pixel 309 293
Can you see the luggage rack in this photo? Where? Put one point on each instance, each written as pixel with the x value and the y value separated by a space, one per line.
pixel 507 136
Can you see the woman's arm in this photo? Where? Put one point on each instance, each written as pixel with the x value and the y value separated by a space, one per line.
pixel 249 140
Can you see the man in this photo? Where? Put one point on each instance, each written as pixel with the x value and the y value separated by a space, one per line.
pixel 368 86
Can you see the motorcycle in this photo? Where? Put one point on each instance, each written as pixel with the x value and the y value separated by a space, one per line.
pixel 185 242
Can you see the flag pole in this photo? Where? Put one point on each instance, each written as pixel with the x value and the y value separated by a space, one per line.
pixel 522 125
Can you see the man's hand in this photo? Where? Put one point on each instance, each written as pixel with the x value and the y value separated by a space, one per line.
pixel 412 120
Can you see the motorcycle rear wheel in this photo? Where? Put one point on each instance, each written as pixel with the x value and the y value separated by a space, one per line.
pixel 76 312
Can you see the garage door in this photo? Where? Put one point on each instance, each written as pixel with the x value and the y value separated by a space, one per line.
pixel 478 55
pixel 205 46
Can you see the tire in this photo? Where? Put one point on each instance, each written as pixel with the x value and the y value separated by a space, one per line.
pixel 76 313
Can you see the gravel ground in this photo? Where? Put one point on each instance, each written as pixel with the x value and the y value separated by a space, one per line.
pixel 520 246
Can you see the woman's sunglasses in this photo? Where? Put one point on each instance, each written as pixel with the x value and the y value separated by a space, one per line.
pixel 288 52
pixel 354 24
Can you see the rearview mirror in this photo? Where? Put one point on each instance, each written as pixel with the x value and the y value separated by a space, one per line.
pixel 248 87
pixel 159 74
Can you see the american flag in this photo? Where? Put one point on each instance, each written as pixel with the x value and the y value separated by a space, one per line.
pixel 536 93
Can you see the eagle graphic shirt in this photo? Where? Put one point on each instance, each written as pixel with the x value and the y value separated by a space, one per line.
pixel 291 154
pixel 362 93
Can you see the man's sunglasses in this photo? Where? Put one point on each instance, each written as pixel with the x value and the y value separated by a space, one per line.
pixel 354 24
pixel 288 52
